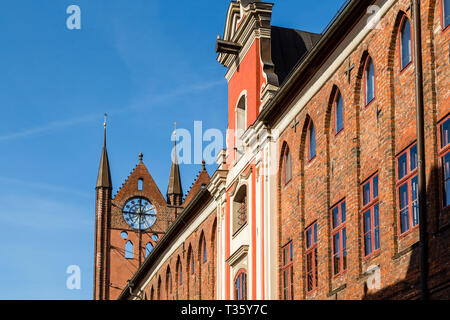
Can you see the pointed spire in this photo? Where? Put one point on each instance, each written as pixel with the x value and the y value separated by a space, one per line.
pixel 104 173
pixel 174 189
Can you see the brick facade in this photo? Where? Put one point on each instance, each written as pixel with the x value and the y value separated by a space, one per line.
pixel 279 117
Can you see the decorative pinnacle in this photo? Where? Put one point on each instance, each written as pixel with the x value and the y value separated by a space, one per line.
pixel 203 165
pixel 141 156
pixel 106 117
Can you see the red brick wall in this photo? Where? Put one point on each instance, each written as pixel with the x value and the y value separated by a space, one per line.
pixel 198 285
pixel 373 136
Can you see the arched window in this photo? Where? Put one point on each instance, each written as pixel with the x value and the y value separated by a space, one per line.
pixel 370 80
pixel 180 272
pixel 287 166
pixel 191 261
pixel 152 294
pixel 241 126
pixel 140 184
pixel 205 252
pixel 339 112
pixel 446 13
pixel 312 140
pixel 148 249
pixel 240 286
pixel 129 250
pixel 168 282
pixel 405 42
pixel 240 209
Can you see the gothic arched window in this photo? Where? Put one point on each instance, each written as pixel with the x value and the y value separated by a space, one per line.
pixel 287 166
pixel 312 140
pixel 370 80
pixel 148 249
pixel 180 272
pixel 140 184
pixel 339 112
pixel 129 250
pixel 205 252
pixel 405 43
pixel 240 285
pixel 168 282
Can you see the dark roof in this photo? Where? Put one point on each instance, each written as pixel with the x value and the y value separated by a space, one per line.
pixel 104 173
pixel 289 46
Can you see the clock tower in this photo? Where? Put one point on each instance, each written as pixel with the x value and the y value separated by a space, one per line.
pixel 128 225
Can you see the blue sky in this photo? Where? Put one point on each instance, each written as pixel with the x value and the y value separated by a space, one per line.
pixel 147 63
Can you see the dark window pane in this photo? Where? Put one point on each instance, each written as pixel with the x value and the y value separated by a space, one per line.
pixel 366 193
pixel 367 221
pixel 344 238
pixel 376 222
pixel 413 158
pixel 402 166
pixel 315 232
pixel 339 113
pixel 445 132
pixel 370 81
pixel 414 200
pixel 406 43
pixel 312 141
pixel 446 165
pixel 291 251
pixel 343 212
pixel 309 238
pixel 375 187
pixel 446 13
pixel 335 217
pixel 337 243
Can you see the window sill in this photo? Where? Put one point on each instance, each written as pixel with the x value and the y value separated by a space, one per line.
pixel 235 234
pixel 405 251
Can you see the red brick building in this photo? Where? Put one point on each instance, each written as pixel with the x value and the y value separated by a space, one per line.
pixel 332 185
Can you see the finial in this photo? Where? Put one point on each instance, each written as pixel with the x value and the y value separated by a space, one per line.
pixel 141 156
pixel 218 36
pixel 106 117
pixel 203 165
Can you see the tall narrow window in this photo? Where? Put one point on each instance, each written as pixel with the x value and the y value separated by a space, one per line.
pixel 148 249
pixel 312 140
pixel 407 189
pixel 287 166
pixel 180 271
pixel 405 42
pixel 370 80
pixel 446 12
pixel 339 235
pixel 444 154
pixel 311 257
pixel 129 251
pixel 339 112
pixel 168 282
pixel 140 184
pixel 191 261
pixel 205 253
pixel 288 272
pixel 241 126
pixel 240 286
pixel 371 216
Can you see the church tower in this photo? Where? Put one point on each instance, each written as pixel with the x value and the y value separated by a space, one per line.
pixel 128 225
pixel 102 213
pixel 175 189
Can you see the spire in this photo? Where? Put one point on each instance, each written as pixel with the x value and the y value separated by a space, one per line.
pixel 104 173
pixel 175 190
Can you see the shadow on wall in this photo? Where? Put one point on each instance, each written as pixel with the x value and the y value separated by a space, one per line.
pixel 438 255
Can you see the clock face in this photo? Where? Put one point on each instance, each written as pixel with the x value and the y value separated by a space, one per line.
pixel 139 213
